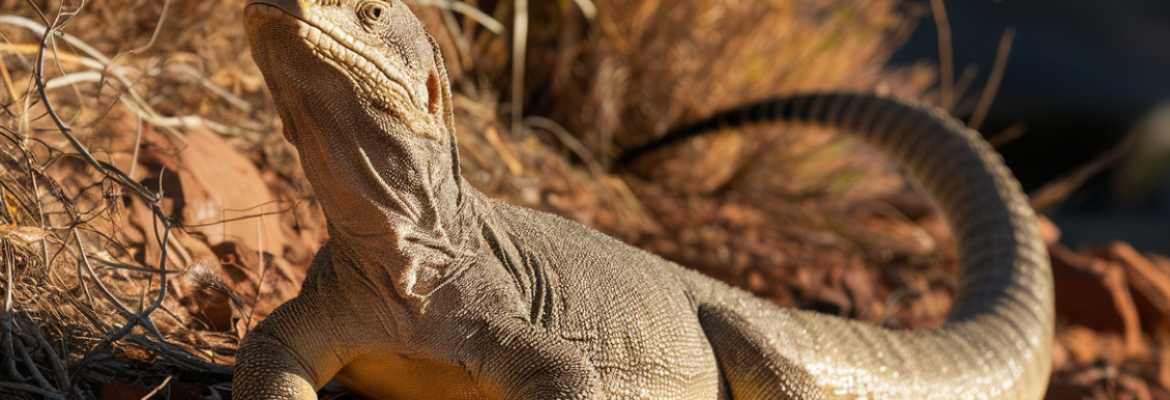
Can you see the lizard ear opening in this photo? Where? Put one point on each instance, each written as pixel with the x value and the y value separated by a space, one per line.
pixel 434 98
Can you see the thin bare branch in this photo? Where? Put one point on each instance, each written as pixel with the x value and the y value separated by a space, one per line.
pixel 988 96
pixel 31 365
pixel 54 359
pixel 946 57
pixel 70 39
pixel 1007 135
pixel 157 388
pixel 162 18
pixel 112 173
pixel 30 388
pixel 121 308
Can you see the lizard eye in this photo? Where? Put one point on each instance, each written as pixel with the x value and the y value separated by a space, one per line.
pixel 373 12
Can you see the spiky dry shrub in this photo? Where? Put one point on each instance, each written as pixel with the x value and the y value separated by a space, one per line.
pixel 77 309
pixel 642 66
pixel 86 245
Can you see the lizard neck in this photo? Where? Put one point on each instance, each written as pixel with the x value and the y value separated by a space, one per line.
pixel 371 117
pixel 397 208
pixel 369 183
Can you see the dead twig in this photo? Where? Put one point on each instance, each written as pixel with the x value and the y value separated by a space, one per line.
pixel 55 360
pixel 946 58
pixel 1007 135
pixel 159 387
pixel 102 167
pixel 121 308
pixel 135 268
pixel 30 388
pixel 100 66
pixel 141 318
pixel 137 319
pixel 162 18
pixel 31 365
pixel 985 99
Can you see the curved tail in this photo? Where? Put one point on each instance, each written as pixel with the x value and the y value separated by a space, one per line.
pixel 997 340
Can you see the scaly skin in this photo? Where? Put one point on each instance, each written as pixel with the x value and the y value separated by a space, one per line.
pixel 427 289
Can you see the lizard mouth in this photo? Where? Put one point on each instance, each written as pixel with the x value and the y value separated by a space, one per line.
pixel 383 84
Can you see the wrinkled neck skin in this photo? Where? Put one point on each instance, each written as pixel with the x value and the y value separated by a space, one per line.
pixel 371 182
pixel 387 179
pixel 390 202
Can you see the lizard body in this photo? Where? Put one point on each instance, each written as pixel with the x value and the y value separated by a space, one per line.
pixel 429 289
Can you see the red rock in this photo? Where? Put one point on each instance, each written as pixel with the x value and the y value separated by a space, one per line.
pixel 245 196
pixel 1151 281
pixel 1082 297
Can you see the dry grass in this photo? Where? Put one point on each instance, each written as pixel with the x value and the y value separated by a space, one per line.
pixel 641 67
pixel 81 236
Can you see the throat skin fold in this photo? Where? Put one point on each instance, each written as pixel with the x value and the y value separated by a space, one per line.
pixel 387 177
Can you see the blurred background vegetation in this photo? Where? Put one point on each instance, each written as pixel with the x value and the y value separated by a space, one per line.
pixel 166 93
pixel 1084 78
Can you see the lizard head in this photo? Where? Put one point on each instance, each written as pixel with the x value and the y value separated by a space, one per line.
pixel 375 47
pixel 363 94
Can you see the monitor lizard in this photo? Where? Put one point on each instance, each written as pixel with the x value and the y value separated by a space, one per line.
pixel 428 289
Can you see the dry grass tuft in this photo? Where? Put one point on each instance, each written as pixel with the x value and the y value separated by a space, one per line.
pixel 643 66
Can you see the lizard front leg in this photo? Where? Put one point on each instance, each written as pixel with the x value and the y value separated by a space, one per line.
pixel 272 373
pixel 512 359
pixel 287 356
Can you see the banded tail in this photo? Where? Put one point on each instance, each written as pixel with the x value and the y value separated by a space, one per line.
pixel 1002 319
